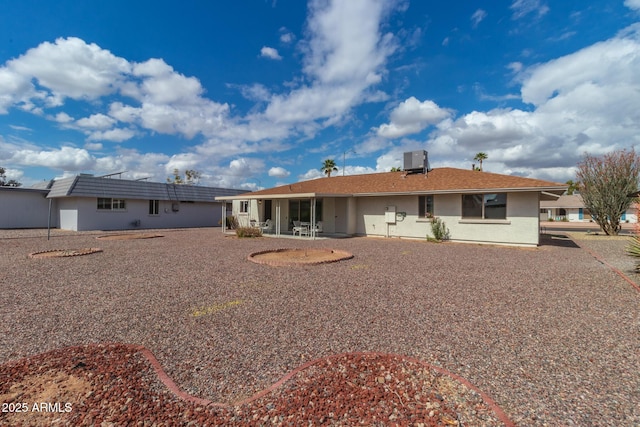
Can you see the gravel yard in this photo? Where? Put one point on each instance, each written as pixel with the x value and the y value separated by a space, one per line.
pixel 550 333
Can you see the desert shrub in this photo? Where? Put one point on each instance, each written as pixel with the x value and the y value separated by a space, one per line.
pixel 248 232
pixel 633 249
pixel 439 230
pixel 232 222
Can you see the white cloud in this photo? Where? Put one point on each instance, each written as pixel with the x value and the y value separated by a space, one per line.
pixel 182 162
pixel 583 102
pixel 245 167
pixel 608 63
pixel 162 85
pixel 15 174
pixel 95 121
pixel 71 68
pixel 349 170
pixel 340 51
pixel 114 135
pixel 412 116
pixel 63 118
pixel 515 67
pixel 477 17
pixel 342 61
pixel 311 174
pixel 522 8
pixel 286 36
pixel 632 4
pixel 66 158
pixel 279 172
pixel 21 128
pixel 269 52
pixel 15 88
pixel 93 146
pixel 255 92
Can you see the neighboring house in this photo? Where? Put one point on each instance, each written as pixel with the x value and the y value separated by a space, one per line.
pixel 571 208
pixel 86 202
pixel 475 206
pixel 24 207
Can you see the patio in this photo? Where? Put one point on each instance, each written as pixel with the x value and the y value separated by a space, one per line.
pixel 551 334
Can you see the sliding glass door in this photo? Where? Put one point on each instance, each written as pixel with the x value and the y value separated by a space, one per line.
pixel 300 210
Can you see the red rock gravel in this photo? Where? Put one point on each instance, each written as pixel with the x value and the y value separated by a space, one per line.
pixel 115 384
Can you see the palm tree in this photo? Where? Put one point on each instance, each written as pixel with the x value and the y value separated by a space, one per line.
pixel 329 166
pixel 480 157
pixel 573 187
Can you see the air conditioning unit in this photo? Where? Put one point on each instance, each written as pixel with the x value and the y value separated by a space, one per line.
pixel 416 162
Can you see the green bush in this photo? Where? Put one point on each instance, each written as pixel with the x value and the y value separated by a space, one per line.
pixel 248 232
pixel 439 230
pixel 633 249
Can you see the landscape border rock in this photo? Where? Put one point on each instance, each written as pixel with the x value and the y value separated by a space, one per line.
pixel 317 256
pixel 63 253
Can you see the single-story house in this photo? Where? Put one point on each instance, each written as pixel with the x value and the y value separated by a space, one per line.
pixel 475 206
pixel 571 208
pixel 87 202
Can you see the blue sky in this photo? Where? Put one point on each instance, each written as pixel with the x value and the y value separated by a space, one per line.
pixel 258 93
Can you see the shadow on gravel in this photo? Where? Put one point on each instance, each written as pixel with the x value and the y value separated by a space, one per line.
pixel 559 240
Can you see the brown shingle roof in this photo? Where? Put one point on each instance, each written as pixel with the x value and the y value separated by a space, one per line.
pixel 566 201
pixel 440 180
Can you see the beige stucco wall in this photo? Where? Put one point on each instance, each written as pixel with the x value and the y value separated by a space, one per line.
pixel 520 228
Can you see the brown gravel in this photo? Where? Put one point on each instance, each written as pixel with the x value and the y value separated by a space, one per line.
pixel 551 334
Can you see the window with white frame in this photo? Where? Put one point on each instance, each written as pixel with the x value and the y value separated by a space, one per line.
pixel 109 204
pixel 425 206
pixel 484 206
pixel 244 206
pixel 154 207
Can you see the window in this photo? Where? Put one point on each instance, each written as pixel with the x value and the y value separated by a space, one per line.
pixel 111 204
pixel 485 206
pixel 154 207
pixel 118 204
pixel 244 206
pixel 425 206
pixel 104 204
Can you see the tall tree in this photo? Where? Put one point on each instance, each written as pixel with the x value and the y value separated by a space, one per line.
pixel 4 182
pixel 605 183
pixel 480 157
pixel 329 166
pixel 191 177
pixel 573 187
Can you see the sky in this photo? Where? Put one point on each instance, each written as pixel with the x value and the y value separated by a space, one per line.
pixel 255 93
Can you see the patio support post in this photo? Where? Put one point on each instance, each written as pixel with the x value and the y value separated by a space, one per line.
pixel 224 216
pixel 313 218
pixel 49 221
pixel 277 217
